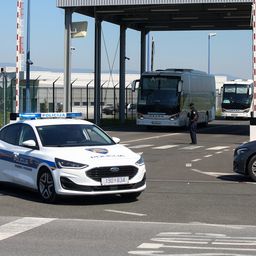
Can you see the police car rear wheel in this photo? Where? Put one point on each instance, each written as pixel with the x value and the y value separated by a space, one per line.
pixel 46 186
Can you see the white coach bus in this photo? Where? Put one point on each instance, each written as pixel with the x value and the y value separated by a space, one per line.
pixel 164 97
pixel 237 99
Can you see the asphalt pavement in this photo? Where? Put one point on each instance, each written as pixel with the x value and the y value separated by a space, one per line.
pixel 193 205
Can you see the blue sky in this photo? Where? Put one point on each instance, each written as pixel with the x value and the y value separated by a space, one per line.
pixel 231 51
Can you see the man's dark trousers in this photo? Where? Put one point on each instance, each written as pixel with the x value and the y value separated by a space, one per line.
pixel 192 129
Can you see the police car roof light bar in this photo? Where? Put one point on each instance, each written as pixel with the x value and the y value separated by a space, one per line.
pixel 14 116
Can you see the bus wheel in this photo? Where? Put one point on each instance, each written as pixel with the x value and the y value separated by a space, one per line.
pixel 206 120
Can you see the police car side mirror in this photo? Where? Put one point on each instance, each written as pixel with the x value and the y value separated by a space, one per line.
pixel 116 140
pixel 29 144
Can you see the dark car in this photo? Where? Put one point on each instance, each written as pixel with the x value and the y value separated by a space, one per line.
pixel 108 109
pixel 245 159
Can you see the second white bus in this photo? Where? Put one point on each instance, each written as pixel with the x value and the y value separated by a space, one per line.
pixel 237 99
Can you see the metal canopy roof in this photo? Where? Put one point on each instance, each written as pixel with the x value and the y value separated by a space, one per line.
pixel 163 15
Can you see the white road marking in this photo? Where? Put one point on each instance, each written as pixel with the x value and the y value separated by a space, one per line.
pixel 128 213
pixel 206 156
pixel 141 146
pixel 192 147
pixel 196 160
pixel 153 137
pixel 161 253
pixel 218 148
pixel 188 165
pixel 219 152
pixel 179 240
pixel 214 174
pixel 236 243
pixel 21 225
pixel 166 147
pixel 150 246
pixel 159 246
pixel 149 253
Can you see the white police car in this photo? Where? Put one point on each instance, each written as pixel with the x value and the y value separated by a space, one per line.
pixel 68 157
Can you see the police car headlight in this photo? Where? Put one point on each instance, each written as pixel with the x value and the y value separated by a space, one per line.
pixel 140 161
pixel 68 164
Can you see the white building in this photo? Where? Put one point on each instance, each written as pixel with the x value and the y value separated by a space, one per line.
pixel 49 95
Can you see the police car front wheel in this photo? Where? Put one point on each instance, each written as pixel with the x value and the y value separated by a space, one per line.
pixel 45 186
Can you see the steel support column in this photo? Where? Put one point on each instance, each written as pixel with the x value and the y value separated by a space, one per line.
pixel 143 51
pixel 67 64
pixel 97 70
pixel 122 74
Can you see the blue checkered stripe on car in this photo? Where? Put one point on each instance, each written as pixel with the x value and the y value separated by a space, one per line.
pixel 24 160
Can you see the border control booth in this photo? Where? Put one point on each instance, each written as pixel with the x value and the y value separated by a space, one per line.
pixel 145 16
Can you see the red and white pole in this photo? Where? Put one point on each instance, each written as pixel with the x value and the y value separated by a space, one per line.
pixel 253 118
pixel 19 51
pixel 254 54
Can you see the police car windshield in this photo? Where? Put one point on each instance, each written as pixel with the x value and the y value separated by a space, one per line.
pixel 72 135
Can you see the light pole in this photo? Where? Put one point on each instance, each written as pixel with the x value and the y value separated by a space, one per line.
pixel 53 93
pixel 210 35
pixel 4 76
pixel 71 94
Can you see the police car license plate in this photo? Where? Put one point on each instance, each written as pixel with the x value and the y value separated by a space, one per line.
pixel 156 122
pixel 114 181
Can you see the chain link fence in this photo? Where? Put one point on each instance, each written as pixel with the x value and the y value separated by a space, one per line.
pixel 50 99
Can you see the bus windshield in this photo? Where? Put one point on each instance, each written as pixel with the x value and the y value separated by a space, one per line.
pixel 159 94
pixel 236 96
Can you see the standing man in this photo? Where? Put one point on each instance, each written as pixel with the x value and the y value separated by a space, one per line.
pixel 193 117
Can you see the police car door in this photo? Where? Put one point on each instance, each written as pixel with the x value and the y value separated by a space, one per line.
pixel 24 158
pixel 9 138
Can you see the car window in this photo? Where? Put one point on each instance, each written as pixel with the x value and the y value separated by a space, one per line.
pixel 96 136
pixel 11 134
pixel 27 133
pixel 73 135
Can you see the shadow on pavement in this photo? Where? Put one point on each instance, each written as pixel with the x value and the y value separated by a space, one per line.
pixel 235 177
pixel 16 191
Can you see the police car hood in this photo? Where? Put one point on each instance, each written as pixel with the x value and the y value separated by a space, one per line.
pixel 114 154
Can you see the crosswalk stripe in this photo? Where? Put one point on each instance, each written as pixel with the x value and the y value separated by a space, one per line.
pixel 141 146
pixel 192 147
pixel 153 137
pixel 166 147
pixel 214 174
pixel 218 148
pixel 21 225
pixel 196 160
